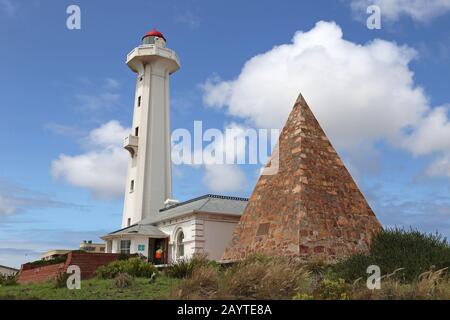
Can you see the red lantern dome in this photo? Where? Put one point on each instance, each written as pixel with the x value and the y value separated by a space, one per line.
pixel 154 33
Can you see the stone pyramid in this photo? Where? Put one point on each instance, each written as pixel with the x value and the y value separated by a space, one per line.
pixel 307 205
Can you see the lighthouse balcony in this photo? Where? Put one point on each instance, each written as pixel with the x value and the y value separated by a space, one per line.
pixel 131 144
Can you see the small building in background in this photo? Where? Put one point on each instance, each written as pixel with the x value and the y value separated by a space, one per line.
pixel 7 271
pixel 52 254
pixel 88 246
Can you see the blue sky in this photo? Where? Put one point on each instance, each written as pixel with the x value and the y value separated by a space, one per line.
pixel 60 88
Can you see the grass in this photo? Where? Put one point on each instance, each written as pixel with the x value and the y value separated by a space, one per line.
pixel 93 289
pixel 413 266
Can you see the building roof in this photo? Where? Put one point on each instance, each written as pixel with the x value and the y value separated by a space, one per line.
pixel 140 229
pixel 208 203
pixel 154 33
pixel 9 268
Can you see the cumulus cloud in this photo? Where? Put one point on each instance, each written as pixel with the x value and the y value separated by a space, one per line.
pixel 102 169
pixel 360 93
pixel 224 178
pixel 392 10
pixel 440 166
pixel 432 133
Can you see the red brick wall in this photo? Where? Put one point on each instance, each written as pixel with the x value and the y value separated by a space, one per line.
pixel 88 263
pixel 30 273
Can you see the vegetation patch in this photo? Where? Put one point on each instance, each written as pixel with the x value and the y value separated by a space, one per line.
pixel 135 267
pixel 411 251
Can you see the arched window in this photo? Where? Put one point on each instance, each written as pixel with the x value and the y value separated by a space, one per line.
pixel 180 244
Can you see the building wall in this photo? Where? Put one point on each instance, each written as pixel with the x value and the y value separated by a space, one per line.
pixel 172 228
pixel 218 235
pixel 7 271
pixel 203 233
pixel 134 247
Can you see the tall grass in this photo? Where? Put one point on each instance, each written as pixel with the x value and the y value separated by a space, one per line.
pixel 411 251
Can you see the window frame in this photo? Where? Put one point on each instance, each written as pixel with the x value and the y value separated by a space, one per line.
pixel 125 249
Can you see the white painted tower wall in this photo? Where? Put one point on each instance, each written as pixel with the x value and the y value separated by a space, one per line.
pixel 150 151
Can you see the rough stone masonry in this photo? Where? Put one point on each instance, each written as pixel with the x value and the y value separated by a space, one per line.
pixel 310 209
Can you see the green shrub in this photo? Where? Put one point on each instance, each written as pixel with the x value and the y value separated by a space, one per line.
pixel 123 280
pixel 183 268
pixel 330 289
pixel 61 280
pixel 135 267
pixel 8 280
pixel 392 249
pixel 353 267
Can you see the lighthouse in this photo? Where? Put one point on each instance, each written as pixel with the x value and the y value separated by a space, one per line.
pixel 149 179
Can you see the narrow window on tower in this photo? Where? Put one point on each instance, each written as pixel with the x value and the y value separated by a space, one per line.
pixel 136 131
pixel 139 101
pixel 129 222
pixel 132 186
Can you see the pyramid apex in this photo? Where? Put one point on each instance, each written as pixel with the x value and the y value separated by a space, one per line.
pixel 300 99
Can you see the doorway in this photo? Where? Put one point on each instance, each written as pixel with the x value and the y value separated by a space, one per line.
pixel 158 251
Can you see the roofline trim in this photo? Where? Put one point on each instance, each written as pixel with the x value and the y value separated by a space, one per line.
pixel 213 196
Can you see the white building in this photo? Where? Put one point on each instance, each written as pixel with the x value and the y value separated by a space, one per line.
pixel 7 271
pixel 151 220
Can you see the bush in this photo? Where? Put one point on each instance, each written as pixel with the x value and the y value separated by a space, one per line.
pixel 135 267
pixel 429 285
pixel 184 268
pixel 8 280
pixel 61 280
pixel 123 280
pixel 258 277
pixel 202 284
pixel 330 289
pixel 392 249
pixel 263 277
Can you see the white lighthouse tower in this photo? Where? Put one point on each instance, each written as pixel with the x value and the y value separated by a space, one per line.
pixel 149 179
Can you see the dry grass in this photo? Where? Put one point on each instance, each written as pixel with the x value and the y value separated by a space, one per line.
pixel 430 285
pixel 255 278
pixel 268 278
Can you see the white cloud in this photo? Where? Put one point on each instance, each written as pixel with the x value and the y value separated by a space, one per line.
pixel 8 7
pixel 361 94
pixel 102 169
pixel 432 133
pixel 224 178
pixel 440 166
pixel 392 10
